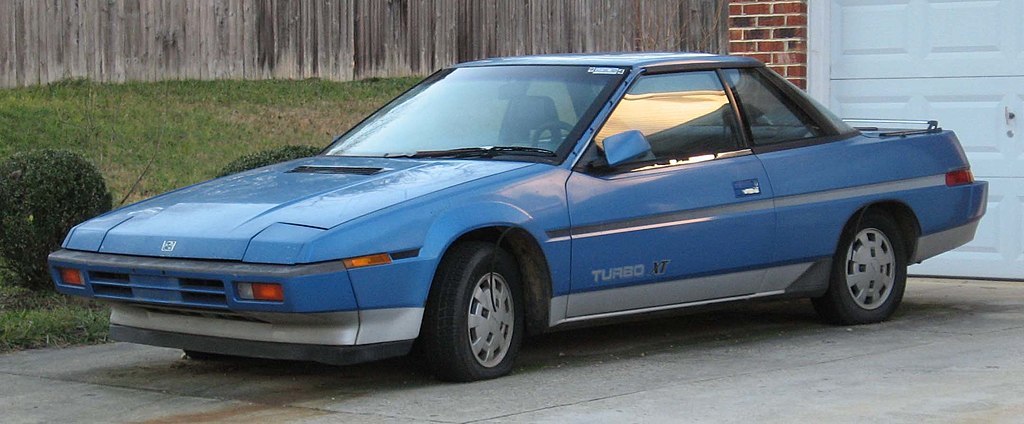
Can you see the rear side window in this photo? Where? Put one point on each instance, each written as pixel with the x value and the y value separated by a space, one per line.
pixel 683 116
pixel 772 117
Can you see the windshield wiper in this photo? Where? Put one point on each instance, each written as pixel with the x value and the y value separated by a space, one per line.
pixel 490 151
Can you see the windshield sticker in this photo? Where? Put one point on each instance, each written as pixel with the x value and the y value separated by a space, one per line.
pixel 606 71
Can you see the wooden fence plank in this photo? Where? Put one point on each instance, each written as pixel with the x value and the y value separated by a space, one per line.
pixel 151 40
pixel 6 47
pixel 74 66
pixel 23 64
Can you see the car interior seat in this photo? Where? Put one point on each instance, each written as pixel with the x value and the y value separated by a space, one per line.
pixel 525 116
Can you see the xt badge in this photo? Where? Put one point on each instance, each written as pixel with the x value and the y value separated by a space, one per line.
pixel 168 246
pixel 660 267
pixel 630 271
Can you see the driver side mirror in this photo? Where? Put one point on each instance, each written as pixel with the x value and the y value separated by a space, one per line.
pixel 626 146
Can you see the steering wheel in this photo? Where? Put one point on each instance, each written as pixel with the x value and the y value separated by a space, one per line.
pixel 555 130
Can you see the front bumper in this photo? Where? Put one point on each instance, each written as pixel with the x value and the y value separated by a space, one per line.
pixel 205 284
pixel 194 304
pixel 335 355
pixel 345 328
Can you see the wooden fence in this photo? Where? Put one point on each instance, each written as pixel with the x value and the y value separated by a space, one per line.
pixel 42 41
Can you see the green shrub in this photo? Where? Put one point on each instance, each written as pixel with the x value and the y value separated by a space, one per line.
pixel 43 193
pixel 268 157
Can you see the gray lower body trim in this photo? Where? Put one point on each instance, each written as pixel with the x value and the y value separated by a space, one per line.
pixel 813 282
pixel 385 325
pixel 664 293
pixel 943 241
pixel 781 277
pixel 678 294
pixel 335 355
pixel 661 308
pixel 329 329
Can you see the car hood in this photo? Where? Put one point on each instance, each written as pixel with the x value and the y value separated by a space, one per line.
pixel 293 201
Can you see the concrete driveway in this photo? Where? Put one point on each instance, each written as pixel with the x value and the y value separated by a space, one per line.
pixel 955 352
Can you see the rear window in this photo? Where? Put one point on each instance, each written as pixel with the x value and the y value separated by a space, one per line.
pixel 772 117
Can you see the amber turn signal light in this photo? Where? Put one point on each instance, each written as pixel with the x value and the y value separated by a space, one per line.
pixel 71 277
pixel 368 260
pixel 270 292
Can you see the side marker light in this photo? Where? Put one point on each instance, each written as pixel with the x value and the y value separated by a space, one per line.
pixel 368 260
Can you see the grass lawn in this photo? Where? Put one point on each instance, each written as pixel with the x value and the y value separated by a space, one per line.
pixel 30 320
pixel 189 129
pixel 173 134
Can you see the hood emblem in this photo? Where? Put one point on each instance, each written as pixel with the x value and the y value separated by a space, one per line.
pixel 168 246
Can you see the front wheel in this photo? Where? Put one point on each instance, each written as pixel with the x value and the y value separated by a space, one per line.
pixel 869 273
pixel 473 322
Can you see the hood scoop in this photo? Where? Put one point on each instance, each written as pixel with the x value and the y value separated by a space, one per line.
pixel 353 170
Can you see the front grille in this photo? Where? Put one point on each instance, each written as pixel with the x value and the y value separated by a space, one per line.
pixel 159 289
pixel 111 290
pixel 202 284
pixel 109 276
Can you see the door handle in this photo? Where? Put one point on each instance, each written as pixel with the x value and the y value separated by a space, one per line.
pixel 1010 116
pixel 746 187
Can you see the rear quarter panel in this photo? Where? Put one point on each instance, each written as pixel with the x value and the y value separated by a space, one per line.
pixel 819 188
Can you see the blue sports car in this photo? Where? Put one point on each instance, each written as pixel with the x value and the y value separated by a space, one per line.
pixel 508 197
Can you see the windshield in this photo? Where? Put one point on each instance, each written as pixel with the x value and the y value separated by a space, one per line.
pixel 485 111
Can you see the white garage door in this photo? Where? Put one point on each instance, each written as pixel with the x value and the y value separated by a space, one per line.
pixel 961 62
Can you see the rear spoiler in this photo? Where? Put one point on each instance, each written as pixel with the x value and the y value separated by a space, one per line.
pixel 932 126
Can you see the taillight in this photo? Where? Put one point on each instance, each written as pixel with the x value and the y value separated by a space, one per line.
pixel 959 177
pixel 271 292
pixel 71 277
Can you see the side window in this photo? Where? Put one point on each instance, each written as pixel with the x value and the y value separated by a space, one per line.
pixel 683 116
pixel 771 116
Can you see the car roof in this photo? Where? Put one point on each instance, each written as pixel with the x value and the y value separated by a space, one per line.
pixel 632 60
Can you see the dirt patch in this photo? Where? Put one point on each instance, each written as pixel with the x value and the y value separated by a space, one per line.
pixel 242 414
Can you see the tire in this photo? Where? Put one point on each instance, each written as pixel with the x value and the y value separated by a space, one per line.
pixel 464 336
pixel 869 273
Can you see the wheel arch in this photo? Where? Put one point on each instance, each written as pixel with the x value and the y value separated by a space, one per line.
pixel 903 214
pixel 533 267
pixel 488 221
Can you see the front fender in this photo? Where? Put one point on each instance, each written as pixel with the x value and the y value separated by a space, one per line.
pixel 455 223
pixel 534 202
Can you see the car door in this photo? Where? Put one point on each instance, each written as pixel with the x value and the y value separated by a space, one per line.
pixel 692 221
pixel 808 156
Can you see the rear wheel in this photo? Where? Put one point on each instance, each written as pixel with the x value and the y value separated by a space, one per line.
pixel 869 273
pixel 473 323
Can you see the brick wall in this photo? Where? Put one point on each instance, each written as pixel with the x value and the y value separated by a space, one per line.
pixel 774 32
